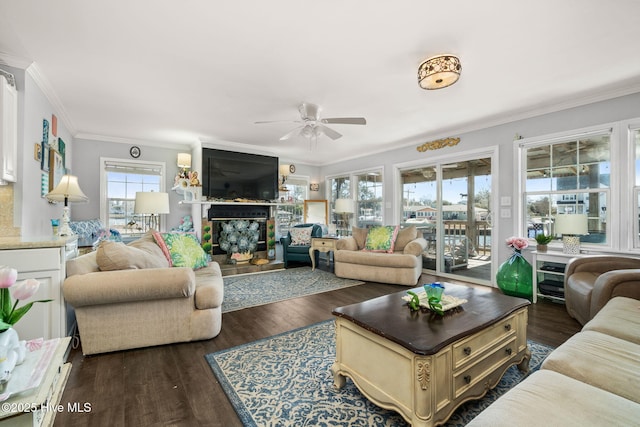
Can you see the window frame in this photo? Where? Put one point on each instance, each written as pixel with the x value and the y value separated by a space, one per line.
pixel 104 205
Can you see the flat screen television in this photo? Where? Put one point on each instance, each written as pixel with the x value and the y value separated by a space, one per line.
pixel 230 175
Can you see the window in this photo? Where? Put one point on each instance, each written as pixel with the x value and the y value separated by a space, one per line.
pixel 121 180
pixel 340 189
pixel 568 175
pixel 368 211
pixel 291 213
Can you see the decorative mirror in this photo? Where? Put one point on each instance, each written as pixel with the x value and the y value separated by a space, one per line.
pixel 316 211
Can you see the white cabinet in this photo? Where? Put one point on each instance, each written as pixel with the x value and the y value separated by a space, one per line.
pixel 8 132
pixel 47 265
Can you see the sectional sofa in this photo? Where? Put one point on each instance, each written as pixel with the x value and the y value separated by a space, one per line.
pixel 592 379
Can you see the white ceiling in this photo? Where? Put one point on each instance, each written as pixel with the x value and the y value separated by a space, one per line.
pixel 171 71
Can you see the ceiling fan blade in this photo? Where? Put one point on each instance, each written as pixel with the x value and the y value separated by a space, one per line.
pixel 309 111
pixel 346 120
pixel 276 121
pixel 294 132
pixel 329 132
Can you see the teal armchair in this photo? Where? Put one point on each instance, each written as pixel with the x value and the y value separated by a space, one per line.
pixel 298 252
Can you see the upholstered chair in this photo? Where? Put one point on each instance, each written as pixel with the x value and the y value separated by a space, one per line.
pixel 293 250
pixel 590 282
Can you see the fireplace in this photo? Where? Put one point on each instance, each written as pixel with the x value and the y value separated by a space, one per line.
pixel 219 214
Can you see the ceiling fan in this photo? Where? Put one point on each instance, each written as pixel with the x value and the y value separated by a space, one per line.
pixel 312 125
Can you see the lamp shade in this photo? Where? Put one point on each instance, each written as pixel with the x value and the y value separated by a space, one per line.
pixel 344 206
pixel 149 202
pixel 67 190
pixel 439 71
pixel 184 160
pixel 284 170
pixel 571 224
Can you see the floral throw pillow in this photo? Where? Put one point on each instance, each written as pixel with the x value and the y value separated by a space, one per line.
pixel 301 236
pixel 381 239
pixel 184 250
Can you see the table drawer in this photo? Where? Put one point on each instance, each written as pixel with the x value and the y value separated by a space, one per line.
pixel 467 350
pixel 484 367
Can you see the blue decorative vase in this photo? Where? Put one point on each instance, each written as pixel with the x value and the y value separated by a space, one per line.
pixel 515 276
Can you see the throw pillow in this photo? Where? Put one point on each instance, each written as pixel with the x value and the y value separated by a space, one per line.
pixel 148 244
pixel 381 239
pixel 300 236
pixel 118 256
pixel 405 235
pixel 360 235
pixel 184 250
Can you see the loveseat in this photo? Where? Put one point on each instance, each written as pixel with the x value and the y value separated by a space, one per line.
pixel 591 281
pixel 401 264
pixel 592 379
pixel 128 296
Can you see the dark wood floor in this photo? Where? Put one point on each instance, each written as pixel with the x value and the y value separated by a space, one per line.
pixel 173 385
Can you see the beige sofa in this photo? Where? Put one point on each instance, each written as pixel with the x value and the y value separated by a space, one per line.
pixel 402 267
pixel 591 379
pixel 591 281
pixel 145 303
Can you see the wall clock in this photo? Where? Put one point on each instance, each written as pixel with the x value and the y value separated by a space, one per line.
pixel 135 152
pixel 292 169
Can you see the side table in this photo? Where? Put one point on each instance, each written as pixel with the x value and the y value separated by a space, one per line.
pixel 38 406
pixel 321 244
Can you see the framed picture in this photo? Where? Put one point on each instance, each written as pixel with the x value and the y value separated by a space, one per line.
pixel 37 152
pixel 44 184
pixel 44 162
pixel 45 131
pixel 62 148
pixel 56 169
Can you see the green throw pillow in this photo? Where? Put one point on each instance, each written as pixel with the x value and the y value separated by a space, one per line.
pixel 185 250
pixel 381 239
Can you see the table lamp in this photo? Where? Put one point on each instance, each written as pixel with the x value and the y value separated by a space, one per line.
pixel 344 207
pixel 153 204
pixel 67 191
pixel 571 226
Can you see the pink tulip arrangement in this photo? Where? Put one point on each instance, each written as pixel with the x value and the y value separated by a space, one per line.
pixel 9 312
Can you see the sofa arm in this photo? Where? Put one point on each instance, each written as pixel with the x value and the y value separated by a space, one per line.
pixel 625 283
pixel 347 244
pixel 112 287
pixel 600 264
pixel 415 247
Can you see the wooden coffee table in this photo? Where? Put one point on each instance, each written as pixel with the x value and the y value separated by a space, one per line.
pixel 423 365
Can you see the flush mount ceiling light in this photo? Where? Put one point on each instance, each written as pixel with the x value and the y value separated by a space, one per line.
pixel 439 71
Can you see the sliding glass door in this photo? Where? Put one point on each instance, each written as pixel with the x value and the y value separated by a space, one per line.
pixel 450 204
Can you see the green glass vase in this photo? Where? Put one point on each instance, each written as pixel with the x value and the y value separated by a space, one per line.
pixel 515 276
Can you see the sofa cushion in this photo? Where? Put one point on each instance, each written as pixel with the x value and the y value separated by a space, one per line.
pixel 549 398
pixel 118 256
pixel 148 244
pixel 381 239
pixel 600 360
pixel 405 235
pixel 620 318
pixel 184 249
pixel 301 236
pixel 378 259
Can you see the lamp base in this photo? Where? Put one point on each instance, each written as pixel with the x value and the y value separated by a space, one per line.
pixel 64 229
pixel 571 244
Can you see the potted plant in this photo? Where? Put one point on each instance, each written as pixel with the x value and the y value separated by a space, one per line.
pixel 542 241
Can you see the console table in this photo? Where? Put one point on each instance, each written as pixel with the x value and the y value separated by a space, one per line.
pixel 425 366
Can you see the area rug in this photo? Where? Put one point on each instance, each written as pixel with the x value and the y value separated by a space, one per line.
pixel 264 288
pixel 286 380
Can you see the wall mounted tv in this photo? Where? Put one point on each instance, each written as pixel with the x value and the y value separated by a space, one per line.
pixel 229 175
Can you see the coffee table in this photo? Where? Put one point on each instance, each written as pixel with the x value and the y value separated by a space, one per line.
pixel 423 365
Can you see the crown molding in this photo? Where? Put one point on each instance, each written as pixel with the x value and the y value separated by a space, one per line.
pixel 129 141
pixel 45 86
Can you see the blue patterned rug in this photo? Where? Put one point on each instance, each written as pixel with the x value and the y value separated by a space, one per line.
pixel 286 380
pixel 258 289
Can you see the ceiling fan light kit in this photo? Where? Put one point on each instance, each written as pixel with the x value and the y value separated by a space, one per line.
pixel 312 126
pixel 439 72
